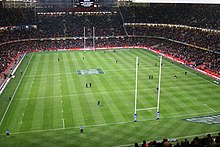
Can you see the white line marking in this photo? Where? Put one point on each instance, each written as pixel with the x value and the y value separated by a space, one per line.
pixel 99 125
pixel 147 109
pixel 77 94
pixel 209 107
pixel 15 92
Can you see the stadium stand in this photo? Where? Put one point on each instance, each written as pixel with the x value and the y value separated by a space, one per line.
pixel 22 31
pixel 110 23
pixel 184 14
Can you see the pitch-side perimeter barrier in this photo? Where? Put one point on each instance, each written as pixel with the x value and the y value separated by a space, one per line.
pixel 11 70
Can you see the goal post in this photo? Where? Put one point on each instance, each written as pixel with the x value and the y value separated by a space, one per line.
pixel 136 92
pixel 93 39
pixel 84 39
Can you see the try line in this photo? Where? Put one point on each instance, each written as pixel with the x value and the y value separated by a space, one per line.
pixel 100 125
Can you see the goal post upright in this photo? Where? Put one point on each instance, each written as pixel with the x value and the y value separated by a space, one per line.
pixel 158 92
pixel 136 91
pixel 93 37
pixel 157 108
pixel 84 38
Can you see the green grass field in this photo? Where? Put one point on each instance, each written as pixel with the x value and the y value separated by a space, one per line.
pixel 50 100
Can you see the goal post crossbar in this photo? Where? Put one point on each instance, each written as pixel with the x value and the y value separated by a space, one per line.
pixel 153 108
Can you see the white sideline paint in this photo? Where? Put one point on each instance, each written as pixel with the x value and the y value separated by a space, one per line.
pixel 209 107
pixel 14 93
pixel 4 84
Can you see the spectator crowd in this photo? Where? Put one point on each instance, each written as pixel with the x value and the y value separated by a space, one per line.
pixel 206 141
pixel 24 30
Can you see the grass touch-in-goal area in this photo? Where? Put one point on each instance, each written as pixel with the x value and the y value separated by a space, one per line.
pixel 58 92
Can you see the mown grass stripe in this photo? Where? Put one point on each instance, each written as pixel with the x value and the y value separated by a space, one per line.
pixel 84 105
pixel 66 85
pixel 48 103
pixel 33 88
pixel 115 88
